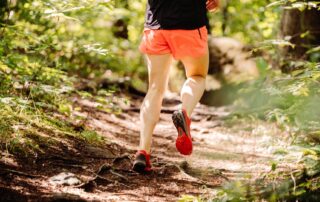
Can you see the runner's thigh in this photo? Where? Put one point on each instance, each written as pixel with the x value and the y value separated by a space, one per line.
pixel 196 66
pixel 158 70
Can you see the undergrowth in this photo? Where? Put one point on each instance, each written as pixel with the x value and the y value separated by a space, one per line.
pixel 43 52
pixel 291 101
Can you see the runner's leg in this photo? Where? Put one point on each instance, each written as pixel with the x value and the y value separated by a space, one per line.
pixel 158 70
pixel 194 86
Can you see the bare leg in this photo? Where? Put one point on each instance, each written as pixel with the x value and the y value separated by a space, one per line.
pixel 193 88
pixel 158 69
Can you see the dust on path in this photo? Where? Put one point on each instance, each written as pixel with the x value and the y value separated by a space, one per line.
pixel 76 171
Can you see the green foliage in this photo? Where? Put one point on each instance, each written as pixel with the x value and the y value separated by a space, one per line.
pixel 291 100
pixel 296 4
pixel 45 46
pixel 249 21
pixel 91 136
pixel 189 198
pixel 287 99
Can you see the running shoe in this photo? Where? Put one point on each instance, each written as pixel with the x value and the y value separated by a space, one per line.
pixel 182 123
pixel 142 163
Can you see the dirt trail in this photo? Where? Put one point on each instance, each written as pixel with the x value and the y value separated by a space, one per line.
pixel 76 171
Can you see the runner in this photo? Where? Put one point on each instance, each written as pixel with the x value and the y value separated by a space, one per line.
pixel 174 29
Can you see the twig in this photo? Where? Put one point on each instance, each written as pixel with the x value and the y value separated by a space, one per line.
pixel 119 175
pixel 98 176
pixel 68 165
pixel 100 157
pixel 294 183
pixel 21 173
pixel 132 109
pixel 196 180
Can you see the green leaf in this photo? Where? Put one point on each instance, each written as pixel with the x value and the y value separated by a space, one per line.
pixel 273 166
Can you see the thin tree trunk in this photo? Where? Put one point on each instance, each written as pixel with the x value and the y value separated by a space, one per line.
pixel 120 26
pixel 303 28
pixel 3 11
pixel 225 16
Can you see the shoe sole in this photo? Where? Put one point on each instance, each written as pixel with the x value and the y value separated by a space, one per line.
pixel 179 121
pixel 139 167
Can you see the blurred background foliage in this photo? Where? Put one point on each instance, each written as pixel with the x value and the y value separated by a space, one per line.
pixel 249 21
pixel 49 49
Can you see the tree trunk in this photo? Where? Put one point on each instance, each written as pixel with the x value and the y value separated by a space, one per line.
pixel 225 16
pixel 303 28
pixel 3 11
pixel 120 26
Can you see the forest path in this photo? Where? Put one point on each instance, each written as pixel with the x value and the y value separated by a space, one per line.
pixel 223 151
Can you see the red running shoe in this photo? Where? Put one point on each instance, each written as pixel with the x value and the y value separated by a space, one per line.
pixel 182 123
pixel 142 163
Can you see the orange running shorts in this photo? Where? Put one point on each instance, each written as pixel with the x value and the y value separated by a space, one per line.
pixel 180 43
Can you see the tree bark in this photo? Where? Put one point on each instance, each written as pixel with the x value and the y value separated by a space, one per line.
pixel 3 11
pixel 303 28
pixel 120 26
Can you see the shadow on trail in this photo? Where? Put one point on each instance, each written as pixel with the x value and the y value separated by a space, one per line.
pixel 72 168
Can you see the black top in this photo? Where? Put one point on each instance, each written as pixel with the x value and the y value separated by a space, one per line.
pixel 176 14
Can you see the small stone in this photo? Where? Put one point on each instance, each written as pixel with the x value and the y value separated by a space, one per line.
pixel 65 178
